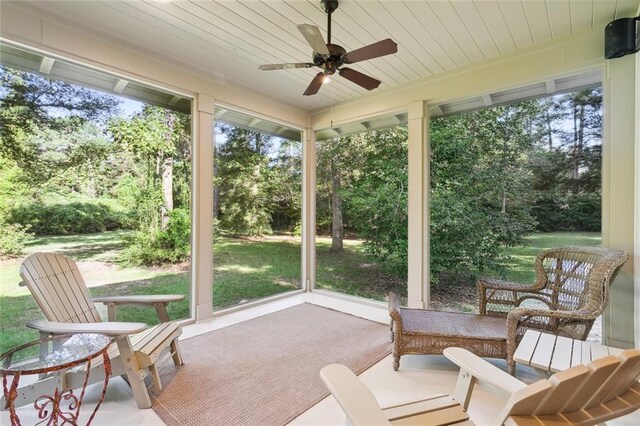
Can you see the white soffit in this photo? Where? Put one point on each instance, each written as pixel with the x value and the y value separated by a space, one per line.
pixel 245 121
pixel 32 62
pixel 227 40
pixel 586 80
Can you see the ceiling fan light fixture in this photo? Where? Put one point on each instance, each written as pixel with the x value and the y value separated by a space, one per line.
pixel 326 79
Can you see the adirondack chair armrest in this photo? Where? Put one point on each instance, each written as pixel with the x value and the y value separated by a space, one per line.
pixel 356 400
pixel 473 369
pixel 108 328
pixel 159 302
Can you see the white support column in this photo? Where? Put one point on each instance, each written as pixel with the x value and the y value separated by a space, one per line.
pixel 308 272
pixel 418 210
pixel 621 195
pixel 202 209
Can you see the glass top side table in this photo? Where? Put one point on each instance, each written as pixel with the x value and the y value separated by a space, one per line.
pixel 57 353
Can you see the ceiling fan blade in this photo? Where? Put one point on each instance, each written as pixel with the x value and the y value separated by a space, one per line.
pixel 270 67
pixel 375 50
pixel 360 79
pixel 312 34
pixel 315 85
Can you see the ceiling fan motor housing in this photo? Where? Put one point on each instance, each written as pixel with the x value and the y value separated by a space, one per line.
pixel 333 61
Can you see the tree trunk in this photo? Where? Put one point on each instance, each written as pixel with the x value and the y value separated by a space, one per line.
pixel 337 233
pixel 216 185
pixel 167 175
pixel 167 190
pixel 549 131
pixel 575 141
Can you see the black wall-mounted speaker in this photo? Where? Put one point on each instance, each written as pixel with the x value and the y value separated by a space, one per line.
pixel 621 37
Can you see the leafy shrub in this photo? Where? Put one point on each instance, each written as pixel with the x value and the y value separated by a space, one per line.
pixel 69 218
pixel 585 212
pixel 581 212
pixel 12 239
pixel 154 247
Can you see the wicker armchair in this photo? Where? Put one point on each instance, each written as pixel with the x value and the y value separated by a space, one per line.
pixel 570 291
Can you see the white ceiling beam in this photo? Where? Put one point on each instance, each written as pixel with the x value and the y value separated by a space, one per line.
pixel 120 86
pixel 551 86
pixel 219 113
pixel 46 65
pixel 174 100
pixel 487 100
pixel 254 122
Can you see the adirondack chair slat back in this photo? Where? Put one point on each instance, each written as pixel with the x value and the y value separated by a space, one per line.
pixel 585 394
pixel 625 373
pixel 57 286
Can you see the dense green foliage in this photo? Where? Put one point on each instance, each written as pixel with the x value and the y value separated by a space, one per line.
pixel 155 186
pixel 69 218
pixel 496 174
pixel 258 182
pixel 71 164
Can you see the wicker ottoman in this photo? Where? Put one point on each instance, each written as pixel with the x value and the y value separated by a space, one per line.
pixel 425 332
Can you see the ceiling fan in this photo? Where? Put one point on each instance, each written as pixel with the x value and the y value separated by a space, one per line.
pixel 331 57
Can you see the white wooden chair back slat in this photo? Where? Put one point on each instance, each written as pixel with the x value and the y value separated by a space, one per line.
pixel 58 288
pixel 563 384
pixel 42 288
pixel 62 286
pixel 83 295
pixel 600 370
pixel 623 385
pixel 628 362
pixel 526 400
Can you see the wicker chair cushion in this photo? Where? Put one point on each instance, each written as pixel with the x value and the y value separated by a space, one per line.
pixel 453 324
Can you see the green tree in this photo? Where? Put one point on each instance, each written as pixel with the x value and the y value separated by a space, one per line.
pixel 157 139
pixel 245 206
pixel 31 104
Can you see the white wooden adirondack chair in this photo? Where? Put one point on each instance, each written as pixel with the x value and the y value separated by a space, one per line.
pixel 582 395
pixel 57 286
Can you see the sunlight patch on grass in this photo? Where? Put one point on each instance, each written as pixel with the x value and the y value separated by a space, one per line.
pixel 244 269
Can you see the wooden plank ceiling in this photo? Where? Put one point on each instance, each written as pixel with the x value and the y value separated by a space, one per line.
pixel 229 39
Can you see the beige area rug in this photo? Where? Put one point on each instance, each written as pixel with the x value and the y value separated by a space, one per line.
pixel 265 371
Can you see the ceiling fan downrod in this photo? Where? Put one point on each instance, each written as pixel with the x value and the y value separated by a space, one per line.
pixel 329 7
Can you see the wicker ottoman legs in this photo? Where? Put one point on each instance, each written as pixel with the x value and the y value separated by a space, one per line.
pixel 425 332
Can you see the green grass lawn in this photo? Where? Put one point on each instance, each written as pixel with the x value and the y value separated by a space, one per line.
pixel 520 267
pixel 353 272
pixel 244 270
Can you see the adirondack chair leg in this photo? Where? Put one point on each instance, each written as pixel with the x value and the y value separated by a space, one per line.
pixel 134 375
pixel 155 376
pixel 175 353
pixel 464 387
